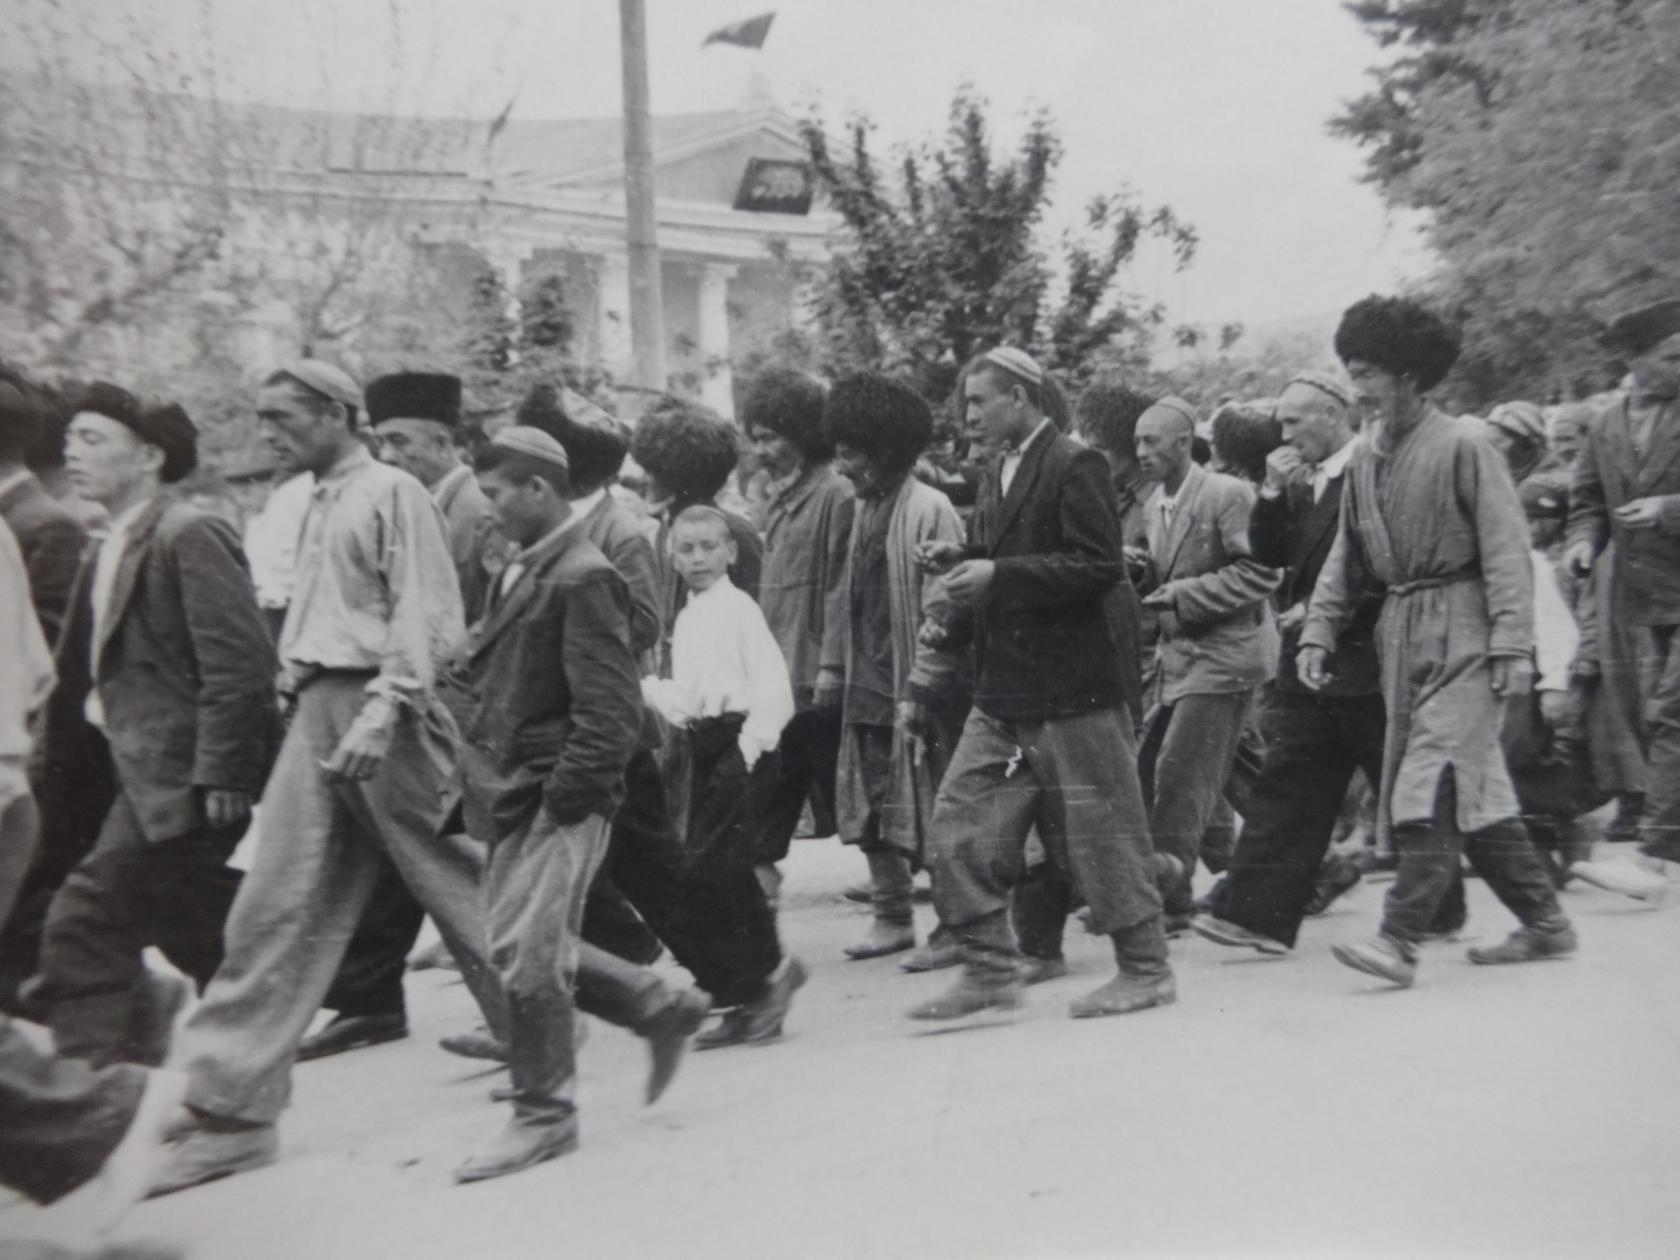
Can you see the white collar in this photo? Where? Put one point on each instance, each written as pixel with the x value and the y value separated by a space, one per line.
pixel 1332 466
pixel 723 583
pixel 123 521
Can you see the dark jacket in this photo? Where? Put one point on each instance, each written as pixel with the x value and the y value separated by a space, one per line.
pixel 1294 534
pixel 1046 631
pixel 617 531
pixel 1610 473
pixel 554 697
pixel 185 671
pixel 807 537
pixel 51 540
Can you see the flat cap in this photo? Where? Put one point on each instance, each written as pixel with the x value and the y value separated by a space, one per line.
pixel 1177 406
pixel 1325 383
pixel 1520 419
pixel 332 383
pixel 1017 363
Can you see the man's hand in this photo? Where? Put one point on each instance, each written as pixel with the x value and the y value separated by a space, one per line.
pixel 1292 617
pixel 1512 676
pixel 364 746
pixel 1640 513
pixel 1282 466
pixel 1309 667
pixel 912 717
pixel 970 580
pixel 933 633
pixel 1161 597
pixel 1562 710
pixel 1579 558
pixel 830 691
pixel 224 806
pixel 935 556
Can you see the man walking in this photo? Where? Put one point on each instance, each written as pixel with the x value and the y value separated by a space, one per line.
pixel 1429 512
pixel 166 654
pixel 1626 491
pixel 1217 642
pixel 1048 742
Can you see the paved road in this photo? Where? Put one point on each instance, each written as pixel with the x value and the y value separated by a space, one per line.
pixel 1283 1107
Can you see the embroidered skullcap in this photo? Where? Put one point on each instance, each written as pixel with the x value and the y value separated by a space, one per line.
pixel 1636 331
pixel 1177 406
pixel 1325 383
pixel 164 426
pixel 1521 419
pixel 1018 363
pixel 432 396
pixel 523 439
pixel 332 383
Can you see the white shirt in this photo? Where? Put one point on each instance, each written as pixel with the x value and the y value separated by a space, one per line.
pixel 271 540
pixel 105 568
pixel 1556 636
pixel 1333 466
pixel 1012 459
pixel 725 660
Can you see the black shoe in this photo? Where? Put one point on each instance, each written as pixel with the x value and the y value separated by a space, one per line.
pixel 475 1045
pixel 1336 876
pixel 667 1036
pixel 352 1032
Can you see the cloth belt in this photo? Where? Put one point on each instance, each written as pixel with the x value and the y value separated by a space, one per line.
pixel 1431 583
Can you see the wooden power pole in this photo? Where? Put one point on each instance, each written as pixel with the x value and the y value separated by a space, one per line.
pixel 647 302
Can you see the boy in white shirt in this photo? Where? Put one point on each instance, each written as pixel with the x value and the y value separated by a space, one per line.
pixel 729 698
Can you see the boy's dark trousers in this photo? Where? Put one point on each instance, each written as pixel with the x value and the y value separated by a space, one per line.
pixel 807 759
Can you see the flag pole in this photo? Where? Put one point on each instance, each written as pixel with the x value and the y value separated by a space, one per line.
pixel 647 306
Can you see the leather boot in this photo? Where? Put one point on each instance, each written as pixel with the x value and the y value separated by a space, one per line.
pixel 520 1146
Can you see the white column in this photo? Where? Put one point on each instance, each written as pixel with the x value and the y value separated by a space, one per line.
pixel 508 261
pixel 718 391
pixel 612 314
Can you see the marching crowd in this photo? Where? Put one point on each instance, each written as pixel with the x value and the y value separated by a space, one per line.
pixel 569 690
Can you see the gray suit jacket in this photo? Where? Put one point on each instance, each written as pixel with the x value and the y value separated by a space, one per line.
pixel 1218 636
pixel 185 669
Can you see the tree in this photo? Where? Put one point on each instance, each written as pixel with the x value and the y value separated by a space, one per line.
pixel 940 255
pixel 1539 142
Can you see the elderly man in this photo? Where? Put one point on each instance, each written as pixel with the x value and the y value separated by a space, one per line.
pixel 166 654
pixel 1315 739
pixel 1429 512
pixel 1048 742
pixel 367 767
pixel 1217 640
pixel 1627 491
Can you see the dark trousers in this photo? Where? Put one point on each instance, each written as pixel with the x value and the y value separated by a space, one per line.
pixel 611 923
pixel 806 762
pixel 709 910
pixel 60 1119
pixel 370 979
pixel 1429 855
pixel 1314 745
pixel 71 814
pixel 1039 909
pixel 1074 779
pixel 1183 762
pixel 129 893
pixel 1659 684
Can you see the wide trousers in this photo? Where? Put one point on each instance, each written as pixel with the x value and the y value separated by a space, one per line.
pixel 1429 855
pixel 370 979
pixel 1074 778
pixel 126 894
pixel 1314 745
pixel 535 883
pixel 1184 762
pixel 806 763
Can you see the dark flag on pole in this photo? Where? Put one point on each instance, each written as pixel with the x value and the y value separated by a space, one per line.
pixel 501 120
pixel 748 34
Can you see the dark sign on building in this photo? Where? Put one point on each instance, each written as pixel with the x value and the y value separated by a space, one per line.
pixel 775 186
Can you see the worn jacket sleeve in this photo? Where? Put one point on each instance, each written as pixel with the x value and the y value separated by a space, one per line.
pixel 1239 584
pixel 1273 530
pixel 632 555
pixel 938 671
pixel 837 545
pixel 55 553
pixel 1091 559
pixel 1485 487
pixel 606 701
pixel 1589 517
pixel 426 620
pixel 232 657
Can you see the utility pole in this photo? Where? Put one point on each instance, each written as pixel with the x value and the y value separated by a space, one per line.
pixel 647 302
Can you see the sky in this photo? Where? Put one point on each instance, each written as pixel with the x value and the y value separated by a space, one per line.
pixel 1214 107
